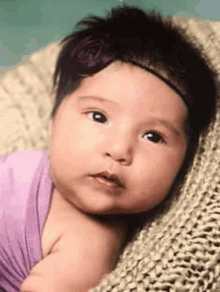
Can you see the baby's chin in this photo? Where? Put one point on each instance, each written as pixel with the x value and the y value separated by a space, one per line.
pixel 102 204
pixel 109 212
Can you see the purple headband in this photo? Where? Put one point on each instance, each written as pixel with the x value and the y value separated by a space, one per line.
pixel 91 53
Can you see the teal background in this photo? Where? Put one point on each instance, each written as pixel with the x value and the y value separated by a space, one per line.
pixel 28 25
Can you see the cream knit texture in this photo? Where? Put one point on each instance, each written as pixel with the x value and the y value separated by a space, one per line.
pixel 178 249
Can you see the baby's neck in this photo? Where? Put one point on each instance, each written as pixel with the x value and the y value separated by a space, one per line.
pixel 105 220
pixel 64 216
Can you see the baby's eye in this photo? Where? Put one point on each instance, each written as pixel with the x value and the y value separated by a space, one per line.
pixel 154 137
pixel 97 117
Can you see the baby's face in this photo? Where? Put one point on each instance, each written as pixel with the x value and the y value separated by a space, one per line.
pixel 122 121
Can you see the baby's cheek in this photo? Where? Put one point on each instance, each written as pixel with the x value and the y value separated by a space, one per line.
pixel 89 138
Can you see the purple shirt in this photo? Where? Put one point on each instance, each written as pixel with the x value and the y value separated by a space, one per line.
pixel 25 188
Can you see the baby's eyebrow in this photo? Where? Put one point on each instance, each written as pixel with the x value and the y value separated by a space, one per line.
pixel 169 125
pixel 97 98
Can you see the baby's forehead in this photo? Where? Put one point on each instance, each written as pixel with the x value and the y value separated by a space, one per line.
pixel 159 73
pixel 157 69
pixel 132 88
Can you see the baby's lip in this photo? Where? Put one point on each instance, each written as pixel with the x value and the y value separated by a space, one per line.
pixel 111 176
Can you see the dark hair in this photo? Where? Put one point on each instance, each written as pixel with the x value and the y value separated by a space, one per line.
pixel 147 40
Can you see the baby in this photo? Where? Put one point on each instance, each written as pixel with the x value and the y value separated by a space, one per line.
pixel 132 98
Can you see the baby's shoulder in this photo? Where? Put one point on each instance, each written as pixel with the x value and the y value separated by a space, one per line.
pixel 13 157
pixel 20 165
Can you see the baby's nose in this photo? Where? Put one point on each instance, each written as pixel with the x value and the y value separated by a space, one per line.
pixel 120 148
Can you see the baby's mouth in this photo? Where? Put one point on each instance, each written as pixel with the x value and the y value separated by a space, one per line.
pixel 109 179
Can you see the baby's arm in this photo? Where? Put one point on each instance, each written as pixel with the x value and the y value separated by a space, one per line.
pixel 57 272
pixel 74 266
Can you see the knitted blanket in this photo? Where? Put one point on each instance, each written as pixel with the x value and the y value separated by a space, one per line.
pixel 178 249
